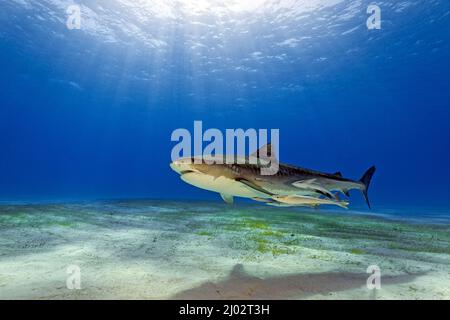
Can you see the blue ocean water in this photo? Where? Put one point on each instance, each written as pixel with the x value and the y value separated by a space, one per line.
pixel 88 114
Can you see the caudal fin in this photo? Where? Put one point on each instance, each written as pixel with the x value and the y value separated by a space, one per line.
pixel 366 181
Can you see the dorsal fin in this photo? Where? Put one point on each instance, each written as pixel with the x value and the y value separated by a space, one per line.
pixel 264 152
pixel 339 174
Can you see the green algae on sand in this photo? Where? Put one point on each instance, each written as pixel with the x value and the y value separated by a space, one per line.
pixel 153 249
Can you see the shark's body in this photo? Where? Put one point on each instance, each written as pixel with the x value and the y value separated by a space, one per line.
pixel 290 186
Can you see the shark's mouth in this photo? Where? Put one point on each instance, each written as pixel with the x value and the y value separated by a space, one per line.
pixel 186 172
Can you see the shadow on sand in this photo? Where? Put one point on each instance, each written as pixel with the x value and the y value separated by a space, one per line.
pixel 240 285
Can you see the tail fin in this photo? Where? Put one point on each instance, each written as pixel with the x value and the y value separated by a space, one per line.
pixel 366 181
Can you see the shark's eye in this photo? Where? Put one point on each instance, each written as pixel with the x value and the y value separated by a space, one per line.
pixel 185 161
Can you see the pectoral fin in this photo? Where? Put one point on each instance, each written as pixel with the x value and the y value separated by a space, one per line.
pixel 254 186
pixel 227 198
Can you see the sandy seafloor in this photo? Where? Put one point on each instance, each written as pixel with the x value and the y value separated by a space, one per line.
pixel 194 250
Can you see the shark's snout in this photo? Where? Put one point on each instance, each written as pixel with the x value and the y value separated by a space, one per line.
pixel 182 166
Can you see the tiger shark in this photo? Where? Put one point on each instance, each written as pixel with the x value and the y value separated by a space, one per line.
pixel 289 186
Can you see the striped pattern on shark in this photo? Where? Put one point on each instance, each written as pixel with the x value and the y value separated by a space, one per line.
pixel 290 186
